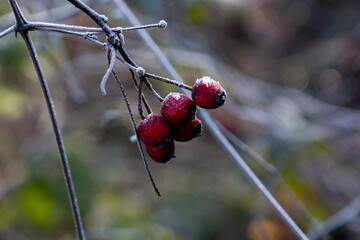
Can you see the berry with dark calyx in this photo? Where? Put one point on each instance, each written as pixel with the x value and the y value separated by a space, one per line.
pixel 163 153
pixel 178 108
pixel 207 93
pixel 187 131
pixel 154 130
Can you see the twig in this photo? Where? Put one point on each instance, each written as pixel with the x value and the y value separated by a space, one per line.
pixel 128 59
pixel 339 219
pixel 92 30
pixel 213 128
pixel 100 20
pixel 248 151
pixel 7 31
pixel 251 154
pixel 60 13
pixel 140 95
pixel 112 57
pixel 143 157
pixel 147 106
pixel 154 92
pixel 58 137
pixel 167 80
pixel 113 37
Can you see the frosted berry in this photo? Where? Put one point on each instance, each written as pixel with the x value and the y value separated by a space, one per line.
pixel 154 131
pixel 163 153
pixel 178 108
pixel 207 93
pixel 187 131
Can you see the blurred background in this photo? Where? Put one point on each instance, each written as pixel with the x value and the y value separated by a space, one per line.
pixel 291 70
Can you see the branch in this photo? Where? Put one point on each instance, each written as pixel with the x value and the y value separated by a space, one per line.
pixel 7 31
pixel 248 151
pixel 167 80
pixel 339 219
pixel 143 157
pixel 58 137
pixel 100 20
pixel 19 17
pixel 149 86
pixel 213 128
pixel 132 69
pixel 140 95
pixel 251 154
pixel 93 30
pixel 22 26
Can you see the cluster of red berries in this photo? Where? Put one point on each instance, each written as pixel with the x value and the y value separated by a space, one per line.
pixel 178 121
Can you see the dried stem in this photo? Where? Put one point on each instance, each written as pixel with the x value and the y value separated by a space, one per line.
pixel 7 31
pixel 112 57
pixel 143 157
pixel 140 95
pixel 167 80
pixel 146 104
pixel 149 86
pixel 248 151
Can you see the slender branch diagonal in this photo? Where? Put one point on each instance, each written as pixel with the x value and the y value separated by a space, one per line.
pixel 7 31
pixel 58 136
pixel 143 157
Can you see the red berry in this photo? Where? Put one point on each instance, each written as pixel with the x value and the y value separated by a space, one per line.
pixel 163 153
pixel 178 108
pixel 154 131
pixel 187 131
pixel 207 93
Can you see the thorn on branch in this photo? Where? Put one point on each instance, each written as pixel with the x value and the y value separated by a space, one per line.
pixel 104 18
